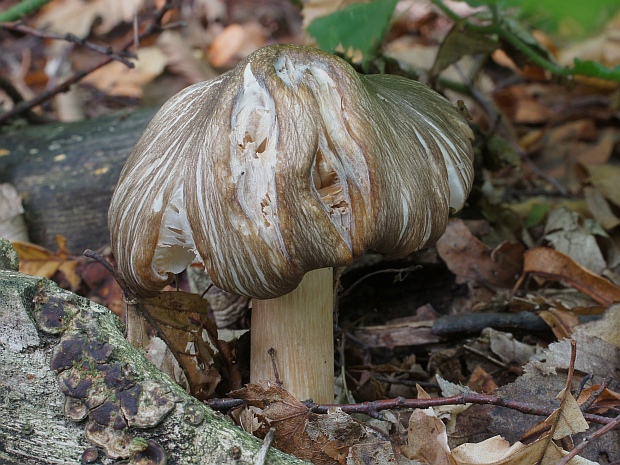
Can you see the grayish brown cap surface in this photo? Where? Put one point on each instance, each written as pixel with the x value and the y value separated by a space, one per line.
pixel 290 162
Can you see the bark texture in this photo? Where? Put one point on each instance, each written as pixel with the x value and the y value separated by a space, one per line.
pixel 72 388
pixel 66 173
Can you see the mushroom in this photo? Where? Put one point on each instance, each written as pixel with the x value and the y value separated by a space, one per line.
pixel 273 173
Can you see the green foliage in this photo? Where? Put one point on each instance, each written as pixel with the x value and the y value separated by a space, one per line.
pixel 536 215
pixel 357 29
pixel 20 10
pixel 574 18
pixel 592 68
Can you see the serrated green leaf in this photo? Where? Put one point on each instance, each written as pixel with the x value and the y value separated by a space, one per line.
pixel 357 29
pixel 594 69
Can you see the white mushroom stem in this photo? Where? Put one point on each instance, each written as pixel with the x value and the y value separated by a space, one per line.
pixel 299 327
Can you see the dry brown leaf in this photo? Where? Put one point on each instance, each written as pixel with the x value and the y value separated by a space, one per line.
pixel 570 420
pixel 427 440
pixel 321 439
pixel 481 381
pixel 235 43
pixel 574 236
pixel 607 329
pixel 549 263
pixel 562 323
pixel 117 79
pixel 600 152
pixel 77 17
pixel 498 451
pixel 181 318
pixel 181 59
pixel 606 179
pixel 600 209
pixel 606 400
pixel 38 261
pixel 226 45
pixel 472 260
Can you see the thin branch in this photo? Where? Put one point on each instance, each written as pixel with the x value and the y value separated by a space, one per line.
pixel 127 292
pixel 261 456
pixel 103 50
pixel 154 28
pixel 402 403
pixel 596 394
pixel 615 423
pixel 398 271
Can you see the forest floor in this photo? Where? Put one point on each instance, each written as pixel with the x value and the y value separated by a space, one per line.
pixel 514 309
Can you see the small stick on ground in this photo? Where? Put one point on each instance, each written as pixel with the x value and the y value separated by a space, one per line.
pixel 264 450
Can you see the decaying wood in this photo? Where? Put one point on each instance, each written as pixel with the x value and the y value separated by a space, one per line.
pixel 66 173
pixel 62 357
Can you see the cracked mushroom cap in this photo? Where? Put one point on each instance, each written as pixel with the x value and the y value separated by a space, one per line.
pixel 290 162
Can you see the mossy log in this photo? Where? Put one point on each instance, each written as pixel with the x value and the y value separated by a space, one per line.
pixel 73 390
pixel 66 173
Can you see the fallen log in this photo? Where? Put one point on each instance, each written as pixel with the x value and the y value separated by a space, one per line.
pixel 66 173
pixel 73 390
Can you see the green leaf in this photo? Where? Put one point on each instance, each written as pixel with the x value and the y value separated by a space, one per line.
pixel 358 29
pixel 572 18
pixel 536 215
pixel 594 69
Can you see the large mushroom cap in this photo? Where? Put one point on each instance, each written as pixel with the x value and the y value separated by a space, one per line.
pixel 290 162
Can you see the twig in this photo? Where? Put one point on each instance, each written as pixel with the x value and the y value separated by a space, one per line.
pixel 485 356
pixel 21 9
pixel 596 394
pixel 153 28
pixel 615 423
pixel 274 366
pixel 399 271
pixel 261 456
pixel 402 403
pixel 15 96
pixel 127 292
pixel 104 50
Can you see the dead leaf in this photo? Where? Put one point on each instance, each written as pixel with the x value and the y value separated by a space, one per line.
pixel 181 319
pixel 562 323
pixel 551 264
pixel 606 400
pixel 472 260
pixel 600 209
pixel 38 261
pixel 606 179
pixel 575 236
pixel 481 381
pixel 458 43
pixel 427 440
pixel 607 329
pixel 12 225
pixel 77 17
pixel 321 439
pixel 235 42
pixel 117 79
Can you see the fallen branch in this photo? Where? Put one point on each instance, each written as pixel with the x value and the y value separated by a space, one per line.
pixel 104 50
pixel 154 28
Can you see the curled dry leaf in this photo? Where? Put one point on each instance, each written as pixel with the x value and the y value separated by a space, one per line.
pixel 77 17
pixel 180 319
pixel 322 439
pixel 470 259
pixel 551 264
pixel 38 261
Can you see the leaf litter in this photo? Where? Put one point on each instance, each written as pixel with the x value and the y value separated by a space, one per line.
pixel 540 237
